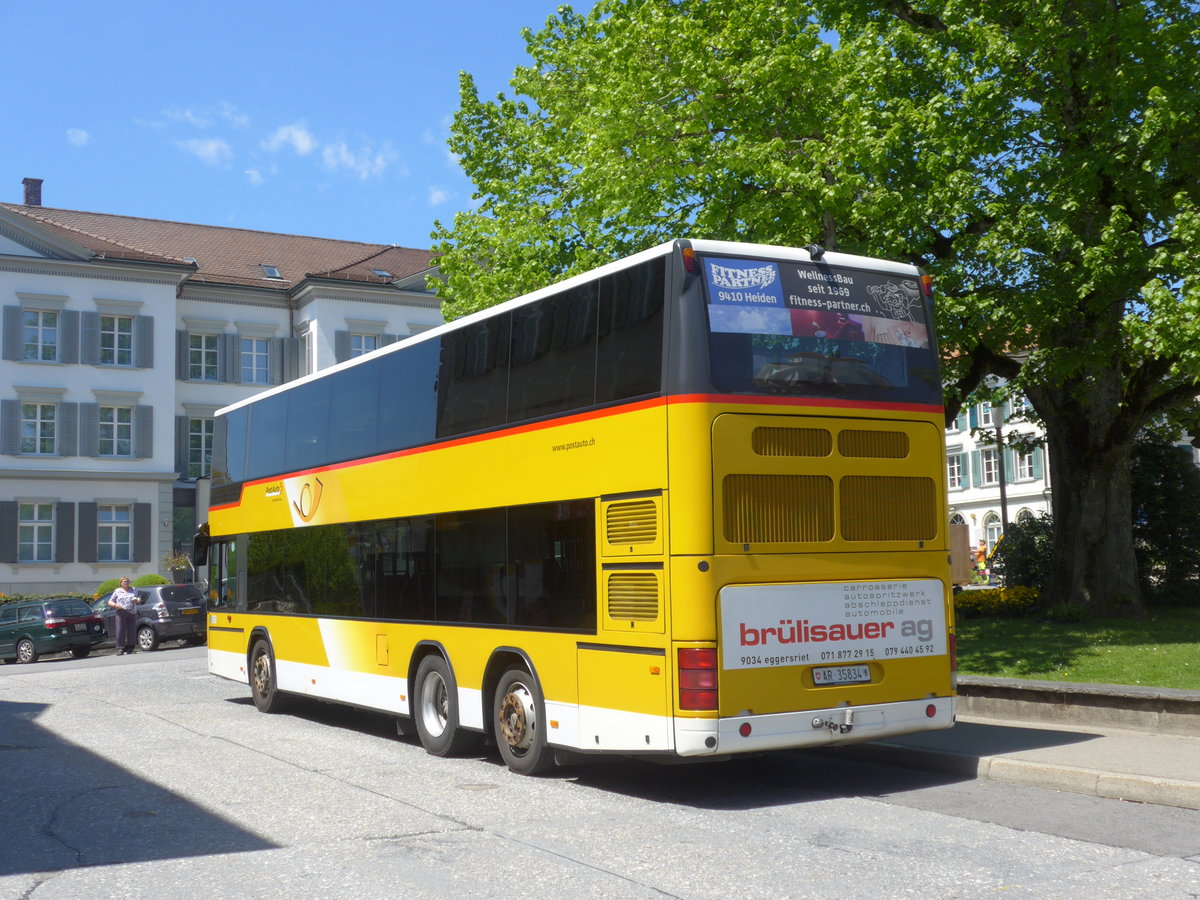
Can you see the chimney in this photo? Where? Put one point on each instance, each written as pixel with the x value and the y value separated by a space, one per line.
pixel 33 191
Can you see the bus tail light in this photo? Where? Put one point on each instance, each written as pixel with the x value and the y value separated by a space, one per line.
pixel 697 678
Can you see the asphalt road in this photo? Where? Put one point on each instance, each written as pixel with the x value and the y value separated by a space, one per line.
pixel 143 776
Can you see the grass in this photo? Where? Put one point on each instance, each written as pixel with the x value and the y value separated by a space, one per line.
pixel 1162 650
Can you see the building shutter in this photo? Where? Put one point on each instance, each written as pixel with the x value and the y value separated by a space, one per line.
pixel 341 346
pixel 229 368
pixel 291 359
pixel 88 535
pixel 181 446
pixel 89 339
pixel 976 469
pixel 12 332
pixel 143 432
pixel 143 342
pixel 89 429
pixel 181 355
pixel 10 427
pixel 64 532
pixel 8 531
pixel 1037 462
pixel 141 532
pixel 68 338
pixel 68 429
pixel 385 339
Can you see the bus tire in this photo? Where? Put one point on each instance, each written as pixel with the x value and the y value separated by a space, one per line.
pixel 264 687
pixel 518 720
pixel 435 710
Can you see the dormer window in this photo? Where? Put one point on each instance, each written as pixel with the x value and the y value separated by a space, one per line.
pixel 270 271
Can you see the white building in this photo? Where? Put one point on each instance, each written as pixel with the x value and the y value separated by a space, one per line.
pixel 987 487
pixel 121 337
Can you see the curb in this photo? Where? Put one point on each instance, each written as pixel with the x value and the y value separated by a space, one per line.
pixel 1108 785
pixel 1156 710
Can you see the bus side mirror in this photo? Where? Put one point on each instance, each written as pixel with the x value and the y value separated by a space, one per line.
pixel 200 546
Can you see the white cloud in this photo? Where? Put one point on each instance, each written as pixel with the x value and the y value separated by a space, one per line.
pixel 188 116
pixel 233 115
pixel 254 176
pixel 364 163
pixel 212 151
pixel 437 196
pixel 78 137
pixel 298 137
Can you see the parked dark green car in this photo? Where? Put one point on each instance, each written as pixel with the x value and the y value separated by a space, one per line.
pixel 57 625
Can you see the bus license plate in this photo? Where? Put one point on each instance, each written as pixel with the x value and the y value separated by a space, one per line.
pixel 841 674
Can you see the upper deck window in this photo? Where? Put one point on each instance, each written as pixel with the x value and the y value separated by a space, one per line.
pixel 813 329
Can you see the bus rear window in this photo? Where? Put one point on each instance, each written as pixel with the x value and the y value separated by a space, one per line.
pixel 813 329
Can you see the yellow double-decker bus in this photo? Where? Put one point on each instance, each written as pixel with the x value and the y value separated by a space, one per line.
pixel 689 504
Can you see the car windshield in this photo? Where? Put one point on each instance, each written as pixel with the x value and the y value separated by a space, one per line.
pixel 62 608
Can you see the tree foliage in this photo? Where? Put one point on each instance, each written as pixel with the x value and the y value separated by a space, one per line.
pixel 1041 158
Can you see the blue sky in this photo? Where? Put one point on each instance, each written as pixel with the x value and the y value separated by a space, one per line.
pixel 320 119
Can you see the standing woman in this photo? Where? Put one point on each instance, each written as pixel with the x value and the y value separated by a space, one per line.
pixel 124 601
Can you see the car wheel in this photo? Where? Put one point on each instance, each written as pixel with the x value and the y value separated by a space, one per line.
pixel 26 652
pixel 147 638
pixel 264 689
pixel 436 712
pixel 80 652
pixel 519 723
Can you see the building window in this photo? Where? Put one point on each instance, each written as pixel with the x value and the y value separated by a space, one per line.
pixel 363 343
pixel 116 431
pixel 114 527
pixel 203 357
pixel 954 469
pixel 200 446
pixel 39 335
pixel 116 340
pixel 993 531
pixel 985 414
pixel 1025 465
pixel 990 461
pixel 307 367
pixel 38 428
pixel 256 361
pixel 35 532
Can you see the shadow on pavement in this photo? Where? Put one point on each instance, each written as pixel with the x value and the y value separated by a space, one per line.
pixel 66 807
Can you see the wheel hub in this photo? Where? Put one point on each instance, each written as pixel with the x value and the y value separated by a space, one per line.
pixel 517 717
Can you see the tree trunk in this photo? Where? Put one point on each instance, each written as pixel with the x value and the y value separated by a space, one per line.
pixel 1094 563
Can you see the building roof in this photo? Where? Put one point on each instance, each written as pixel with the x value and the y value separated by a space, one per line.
pixel 232 256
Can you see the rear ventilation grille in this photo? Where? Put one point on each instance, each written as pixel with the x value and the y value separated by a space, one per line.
pixel 792 442
pixel 632 522
pixel 873 444
pixel 777 508
pixel 888 508
pixel 633 596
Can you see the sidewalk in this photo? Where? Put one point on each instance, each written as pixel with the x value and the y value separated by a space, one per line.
pixel 1075 748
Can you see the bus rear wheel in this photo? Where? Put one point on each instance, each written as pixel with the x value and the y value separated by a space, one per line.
pixel 264 688
pixel 436 710
pixel 518 720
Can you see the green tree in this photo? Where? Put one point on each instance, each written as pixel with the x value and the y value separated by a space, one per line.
pixel 1166 520
pixel 1040 159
